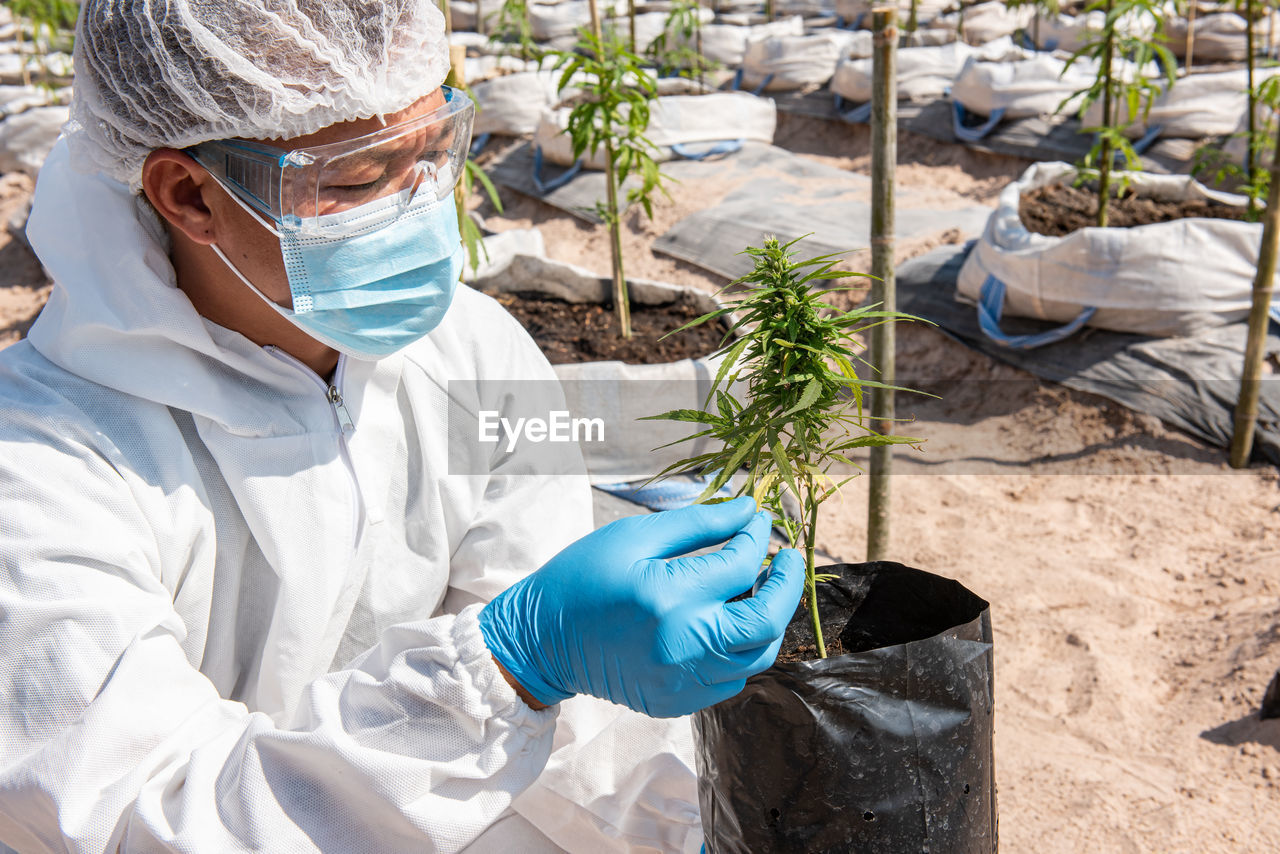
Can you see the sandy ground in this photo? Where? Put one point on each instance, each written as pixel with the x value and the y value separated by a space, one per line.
pixel 1134 579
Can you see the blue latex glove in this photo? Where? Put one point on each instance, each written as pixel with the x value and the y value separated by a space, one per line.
pixel 613 617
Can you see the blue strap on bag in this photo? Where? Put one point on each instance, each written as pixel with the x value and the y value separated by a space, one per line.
pixel 556 183
pixel 861 114
pixel 689 151
pixel 991 309
pixel 972 134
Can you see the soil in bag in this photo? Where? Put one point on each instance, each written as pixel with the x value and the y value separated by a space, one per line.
pixel 589 332
pixel 885 748
pixel 1059 209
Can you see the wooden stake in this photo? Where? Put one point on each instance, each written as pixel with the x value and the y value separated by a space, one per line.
pixel 457 76
pixel 595 22
pixel 1191 35
pixel 884 158
pixel 1246 414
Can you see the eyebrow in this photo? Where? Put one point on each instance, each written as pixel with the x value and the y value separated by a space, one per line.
pixel 382 156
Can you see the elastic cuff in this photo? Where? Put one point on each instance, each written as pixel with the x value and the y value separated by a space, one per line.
pixel 474 655
pixel 529 678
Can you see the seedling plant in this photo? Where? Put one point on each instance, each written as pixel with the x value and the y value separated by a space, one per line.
pixel 1039 9
pixel 787 400
pixel 678 49
pixel 1248 178
pixel 612 115
pixel 513 27
pixel 472 239
pixel 1126 96
pixel 52 24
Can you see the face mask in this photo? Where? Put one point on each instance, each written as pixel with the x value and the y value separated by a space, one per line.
pixel 382 286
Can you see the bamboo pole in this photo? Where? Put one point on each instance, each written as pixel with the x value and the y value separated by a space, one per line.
pixel 1191 35
pixel 621 299
pixel 1246 413
pixel 884 157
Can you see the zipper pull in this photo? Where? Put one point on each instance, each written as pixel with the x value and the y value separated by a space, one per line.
pixel 344 418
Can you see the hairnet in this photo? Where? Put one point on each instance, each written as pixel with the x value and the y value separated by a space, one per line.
pixel 171 73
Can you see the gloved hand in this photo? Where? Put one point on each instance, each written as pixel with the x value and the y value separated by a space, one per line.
pixel 611 616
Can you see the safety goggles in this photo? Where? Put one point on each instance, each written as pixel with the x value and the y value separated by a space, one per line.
pixel 303 190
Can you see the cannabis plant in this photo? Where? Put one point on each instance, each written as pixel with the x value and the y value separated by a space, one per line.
pixel 52 24
pixel 472 240
pixel 678 49
pixel 1126 96
pixel 787 400
pixel 612 115
pixel 513 27
pixel 1039 9
pixel 1249 177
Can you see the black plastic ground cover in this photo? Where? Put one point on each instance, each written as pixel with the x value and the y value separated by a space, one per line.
pixel 1190 383
pixel 885 749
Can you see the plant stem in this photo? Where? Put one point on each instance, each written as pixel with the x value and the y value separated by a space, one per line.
pixel 1104 161
pixel 448 19
pixel 479 17
pixel 1251 150
pixel 884 156
pixel 621 300
pixel 631 22
pixel 1246 413
pixel 697 34
pixel 810 575
pixel 913 19
pixel 1191 34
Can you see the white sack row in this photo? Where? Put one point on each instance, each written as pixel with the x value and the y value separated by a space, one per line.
pixel 674 120
pixel 1218 37
pixel 923 72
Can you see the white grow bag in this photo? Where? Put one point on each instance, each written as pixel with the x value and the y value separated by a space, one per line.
pixel 923 72
pixel 787 63
pixel 513 105
pixel 1068 33
pixel 1032 87
pixel 675 121
pixel 727 43
pixel 1219 37
pixel 1197 106
pixel 858 12
pixel 1171 278
pixel 987 21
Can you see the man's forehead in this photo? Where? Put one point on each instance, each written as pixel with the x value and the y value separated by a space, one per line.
pixel 354 129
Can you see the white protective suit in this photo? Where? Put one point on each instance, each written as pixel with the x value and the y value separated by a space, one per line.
pixel 227 626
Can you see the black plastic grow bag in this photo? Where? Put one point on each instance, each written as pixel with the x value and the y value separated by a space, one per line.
pixel 885 748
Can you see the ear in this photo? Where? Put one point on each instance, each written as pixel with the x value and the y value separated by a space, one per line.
pixel 177 187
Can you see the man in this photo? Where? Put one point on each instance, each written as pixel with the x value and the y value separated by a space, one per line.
pixel 243 603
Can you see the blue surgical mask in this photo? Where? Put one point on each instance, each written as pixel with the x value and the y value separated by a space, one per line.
pixel 382 286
